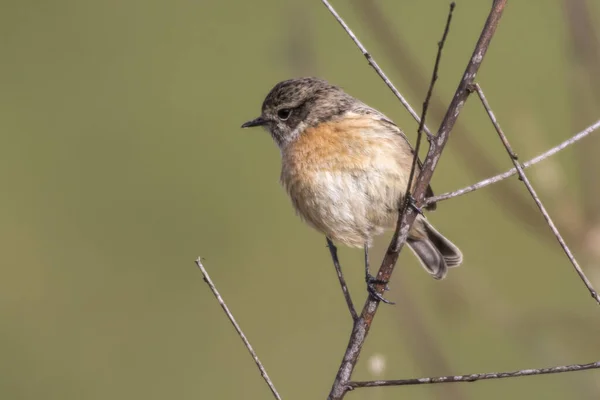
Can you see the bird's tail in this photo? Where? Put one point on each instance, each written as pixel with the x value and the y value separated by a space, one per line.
pixel 434 251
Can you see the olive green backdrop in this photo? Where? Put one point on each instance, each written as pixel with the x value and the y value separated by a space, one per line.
pixel 122 160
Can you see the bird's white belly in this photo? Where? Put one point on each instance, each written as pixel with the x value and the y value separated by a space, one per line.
pixel 349 206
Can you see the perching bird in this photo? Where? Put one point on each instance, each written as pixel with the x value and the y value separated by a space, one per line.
pixel 346 167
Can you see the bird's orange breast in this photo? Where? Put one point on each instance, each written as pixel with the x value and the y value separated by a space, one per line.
pixel 330 146
pixel 346 178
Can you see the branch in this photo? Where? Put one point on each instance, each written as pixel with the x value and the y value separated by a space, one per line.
pixel 592 128
pixel 375 66
pixel 534 195
pixel 434 78
pixel 475 377
pixel 406 219
pixel 338 269
pixel 472 154
pixel 212 287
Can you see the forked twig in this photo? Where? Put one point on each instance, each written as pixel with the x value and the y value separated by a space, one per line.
pixel 362 323
pixel 217 295
pixel 403 60
pixel 406 219
pixel 434 78
pixel 534 195
pixel 475 377
pixel 338 269
pixel 494 179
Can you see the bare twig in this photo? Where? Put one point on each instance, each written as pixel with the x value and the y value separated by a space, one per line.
pixel 217 295
pixel 405 221
pixel 537 200
pixel 473 154
pixel 422 337
pixel 338 269
pixel 595 126
pixel 475 377
pixel 434 78
pixel 375 66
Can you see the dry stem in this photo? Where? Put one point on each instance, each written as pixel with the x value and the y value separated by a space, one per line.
pixel 340 275
pixel 497 178
pixel 475 377
pixel 217 295
pixel 405 221
pixel 534 195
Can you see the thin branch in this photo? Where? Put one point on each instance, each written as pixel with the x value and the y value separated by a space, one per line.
pixel 375 66
pixel 486 182
pixel 434 78
pixel 473 155
pixel 421 335
pixel 534 195
pixel 475 377
pixel 406 219
pixel 338 269
pixel 217 295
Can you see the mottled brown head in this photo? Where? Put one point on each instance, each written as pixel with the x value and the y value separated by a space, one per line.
pixel 296 104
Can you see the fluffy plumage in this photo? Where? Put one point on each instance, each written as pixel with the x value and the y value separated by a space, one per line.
pixel 346 168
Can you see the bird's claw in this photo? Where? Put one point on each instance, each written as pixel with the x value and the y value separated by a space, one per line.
pixel 412 203
pixel 371 282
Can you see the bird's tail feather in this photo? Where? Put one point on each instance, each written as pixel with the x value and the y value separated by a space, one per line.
pixel 434 251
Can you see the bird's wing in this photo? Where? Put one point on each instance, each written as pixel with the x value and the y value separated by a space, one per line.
pixel 366 110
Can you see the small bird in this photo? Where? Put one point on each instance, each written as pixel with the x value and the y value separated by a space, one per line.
pixel 346 168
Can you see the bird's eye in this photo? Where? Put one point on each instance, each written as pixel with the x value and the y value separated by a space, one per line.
pixel 284 113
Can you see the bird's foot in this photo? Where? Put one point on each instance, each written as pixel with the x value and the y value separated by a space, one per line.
pixel 412 203
pixel 371 282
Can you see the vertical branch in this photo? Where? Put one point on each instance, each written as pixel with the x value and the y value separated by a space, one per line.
pixel 405 221
pixel 434 78
pixel 421 335
pixel 537 200
pixel 474 156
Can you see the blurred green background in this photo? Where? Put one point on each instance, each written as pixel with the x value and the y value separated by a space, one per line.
pixel 122 160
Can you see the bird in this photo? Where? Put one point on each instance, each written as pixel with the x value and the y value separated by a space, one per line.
pixel 345 167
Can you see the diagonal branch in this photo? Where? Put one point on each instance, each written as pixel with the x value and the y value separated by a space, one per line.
pixel 375 66
pixel 217 295
pixel 500 177
pixel 537 200
pixel 475 377
pixel 403 60
pixel 406 219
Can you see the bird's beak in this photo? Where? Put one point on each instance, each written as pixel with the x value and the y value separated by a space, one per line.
pixel 255 122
